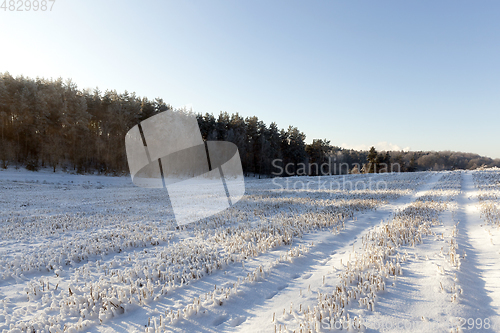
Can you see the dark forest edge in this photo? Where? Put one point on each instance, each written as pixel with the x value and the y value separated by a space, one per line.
pixel 52 124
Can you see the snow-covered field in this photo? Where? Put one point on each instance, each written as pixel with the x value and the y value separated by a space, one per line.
pixel 415 252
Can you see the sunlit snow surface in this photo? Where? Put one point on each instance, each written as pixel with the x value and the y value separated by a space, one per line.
pixel 96 253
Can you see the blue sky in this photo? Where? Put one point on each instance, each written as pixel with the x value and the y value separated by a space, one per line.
pixel 423 75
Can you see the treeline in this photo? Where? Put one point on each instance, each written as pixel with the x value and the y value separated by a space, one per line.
pixel 51 123
pixel 400 161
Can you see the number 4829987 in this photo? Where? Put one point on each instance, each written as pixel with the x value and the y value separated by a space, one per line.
pixel 27 5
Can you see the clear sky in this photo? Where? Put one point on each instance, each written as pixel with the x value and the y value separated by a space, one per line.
pixel 398 74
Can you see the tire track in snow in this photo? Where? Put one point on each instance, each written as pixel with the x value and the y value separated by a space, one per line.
pixel 421 299
pixel 480 271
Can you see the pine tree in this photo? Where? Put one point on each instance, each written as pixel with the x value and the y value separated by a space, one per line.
pixel 318 152
pixel 296 146
pixel 371 167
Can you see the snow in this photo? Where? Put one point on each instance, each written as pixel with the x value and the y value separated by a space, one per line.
pixel 97 254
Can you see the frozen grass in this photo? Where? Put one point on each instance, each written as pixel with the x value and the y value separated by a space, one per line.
pixel 101 255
